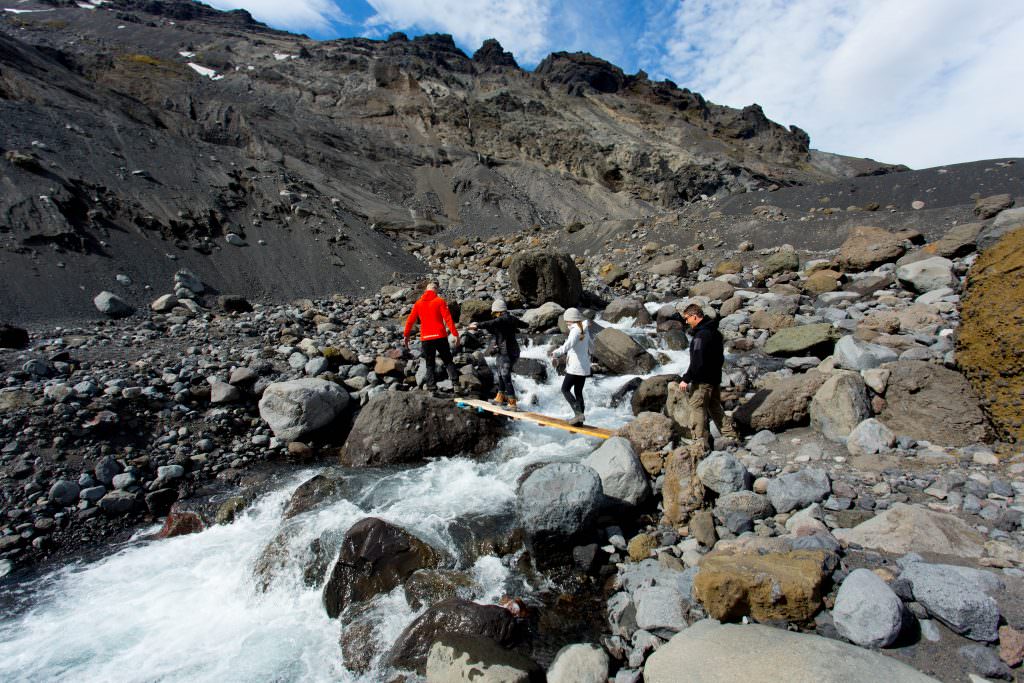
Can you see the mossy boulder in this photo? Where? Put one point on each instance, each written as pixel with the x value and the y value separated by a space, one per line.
pixel 992 333
pixel 803 340
pixel 771 587
pixel 783 261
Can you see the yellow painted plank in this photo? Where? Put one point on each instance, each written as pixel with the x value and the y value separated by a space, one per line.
pixel 536 418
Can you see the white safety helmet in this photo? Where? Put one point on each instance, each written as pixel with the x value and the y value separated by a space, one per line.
pixel 499 306
pixel 573 315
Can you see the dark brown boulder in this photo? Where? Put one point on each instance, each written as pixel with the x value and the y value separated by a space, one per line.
pixel 453 617
pixel 781 406
pixel 404 427
pixel 234 303
pixel 375 557
pixel 617 351
pixel 652 393
pixel 542 276
pixel 933 403
pixel 13 337
pixel 867 247
pixel 181 524
pixel 987 207
pixel 312 493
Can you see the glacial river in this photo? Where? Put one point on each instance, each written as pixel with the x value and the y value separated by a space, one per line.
pixel 187 609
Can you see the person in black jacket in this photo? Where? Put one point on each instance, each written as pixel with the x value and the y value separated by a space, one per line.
pixel 503 326
pixel 703 378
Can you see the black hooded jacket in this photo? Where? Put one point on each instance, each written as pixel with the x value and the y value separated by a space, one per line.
pixel 504 330
pixel 706 354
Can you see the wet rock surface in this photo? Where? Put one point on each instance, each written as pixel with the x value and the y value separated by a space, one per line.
pixel 375 557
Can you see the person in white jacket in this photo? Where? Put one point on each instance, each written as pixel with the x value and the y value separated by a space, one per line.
pixel 576 350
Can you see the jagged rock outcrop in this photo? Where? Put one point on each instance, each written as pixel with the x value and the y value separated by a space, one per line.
pixel 327 158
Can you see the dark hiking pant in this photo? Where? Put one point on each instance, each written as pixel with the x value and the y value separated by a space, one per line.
pixel 572 389
pixel 706 405
pixel 439 347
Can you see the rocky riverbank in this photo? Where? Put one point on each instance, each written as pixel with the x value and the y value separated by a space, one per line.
pixel 868 505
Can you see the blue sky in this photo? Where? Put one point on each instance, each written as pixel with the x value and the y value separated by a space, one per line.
pixel 920 82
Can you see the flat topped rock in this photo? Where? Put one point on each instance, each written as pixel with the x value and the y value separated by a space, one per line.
pixel 911 528
pixel 817 339
pixel 709 652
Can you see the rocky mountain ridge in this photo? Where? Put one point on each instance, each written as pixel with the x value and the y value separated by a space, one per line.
pixel 139 135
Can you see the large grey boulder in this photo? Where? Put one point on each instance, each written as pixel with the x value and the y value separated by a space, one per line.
pixel 164 304
pixel 119 503
pixel 870 437
pixel 458 658
pixel 840 405
pixel 927 274
pixel 798 489
pixel 781 261
pixel 722 473
pixel 626 308
pixel 668 267
pixel 1006 222
pixel 64 492
pixel 293 409
pixel 544 316
pixel 546 276
pixel 868 246
pixel 853 354
pixel 617 351
pixel 715 290
pixel 410 426
pixel 710 652
pixel 111 305
pixel 557 504
pixel 745 504
pixel 959 240
pixel 958 597
pixel 623 478
pixel 867 612
pixel 660 608
pixel 579 663
pixel 912 528
pixel 987 207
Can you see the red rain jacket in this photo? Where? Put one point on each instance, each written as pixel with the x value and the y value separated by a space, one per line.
pixel 433 314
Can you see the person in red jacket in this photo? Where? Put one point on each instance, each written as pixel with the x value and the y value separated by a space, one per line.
pixel 433 315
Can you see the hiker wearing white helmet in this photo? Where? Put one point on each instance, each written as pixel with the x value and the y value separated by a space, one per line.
pixel 503 326
pixel 576 350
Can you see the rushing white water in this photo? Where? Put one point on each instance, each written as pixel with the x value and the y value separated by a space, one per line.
pixel 187 608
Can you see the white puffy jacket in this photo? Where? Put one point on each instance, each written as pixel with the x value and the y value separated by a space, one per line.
pixel 576 350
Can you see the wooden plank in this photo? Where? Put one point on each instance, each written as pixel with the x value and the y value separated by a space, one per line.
pixel 536 418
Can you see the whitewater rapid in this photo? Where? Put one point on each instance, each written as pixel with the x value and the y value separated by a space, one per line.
pixel 187 609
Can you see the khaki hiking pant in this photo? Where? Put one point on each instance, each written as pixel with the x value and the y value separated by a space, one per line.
pixel 705 405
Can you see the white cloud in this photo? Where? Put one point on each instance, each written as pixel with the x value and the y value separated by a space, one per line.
pixel 521 26
pixel 922 82
pixel 296 15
